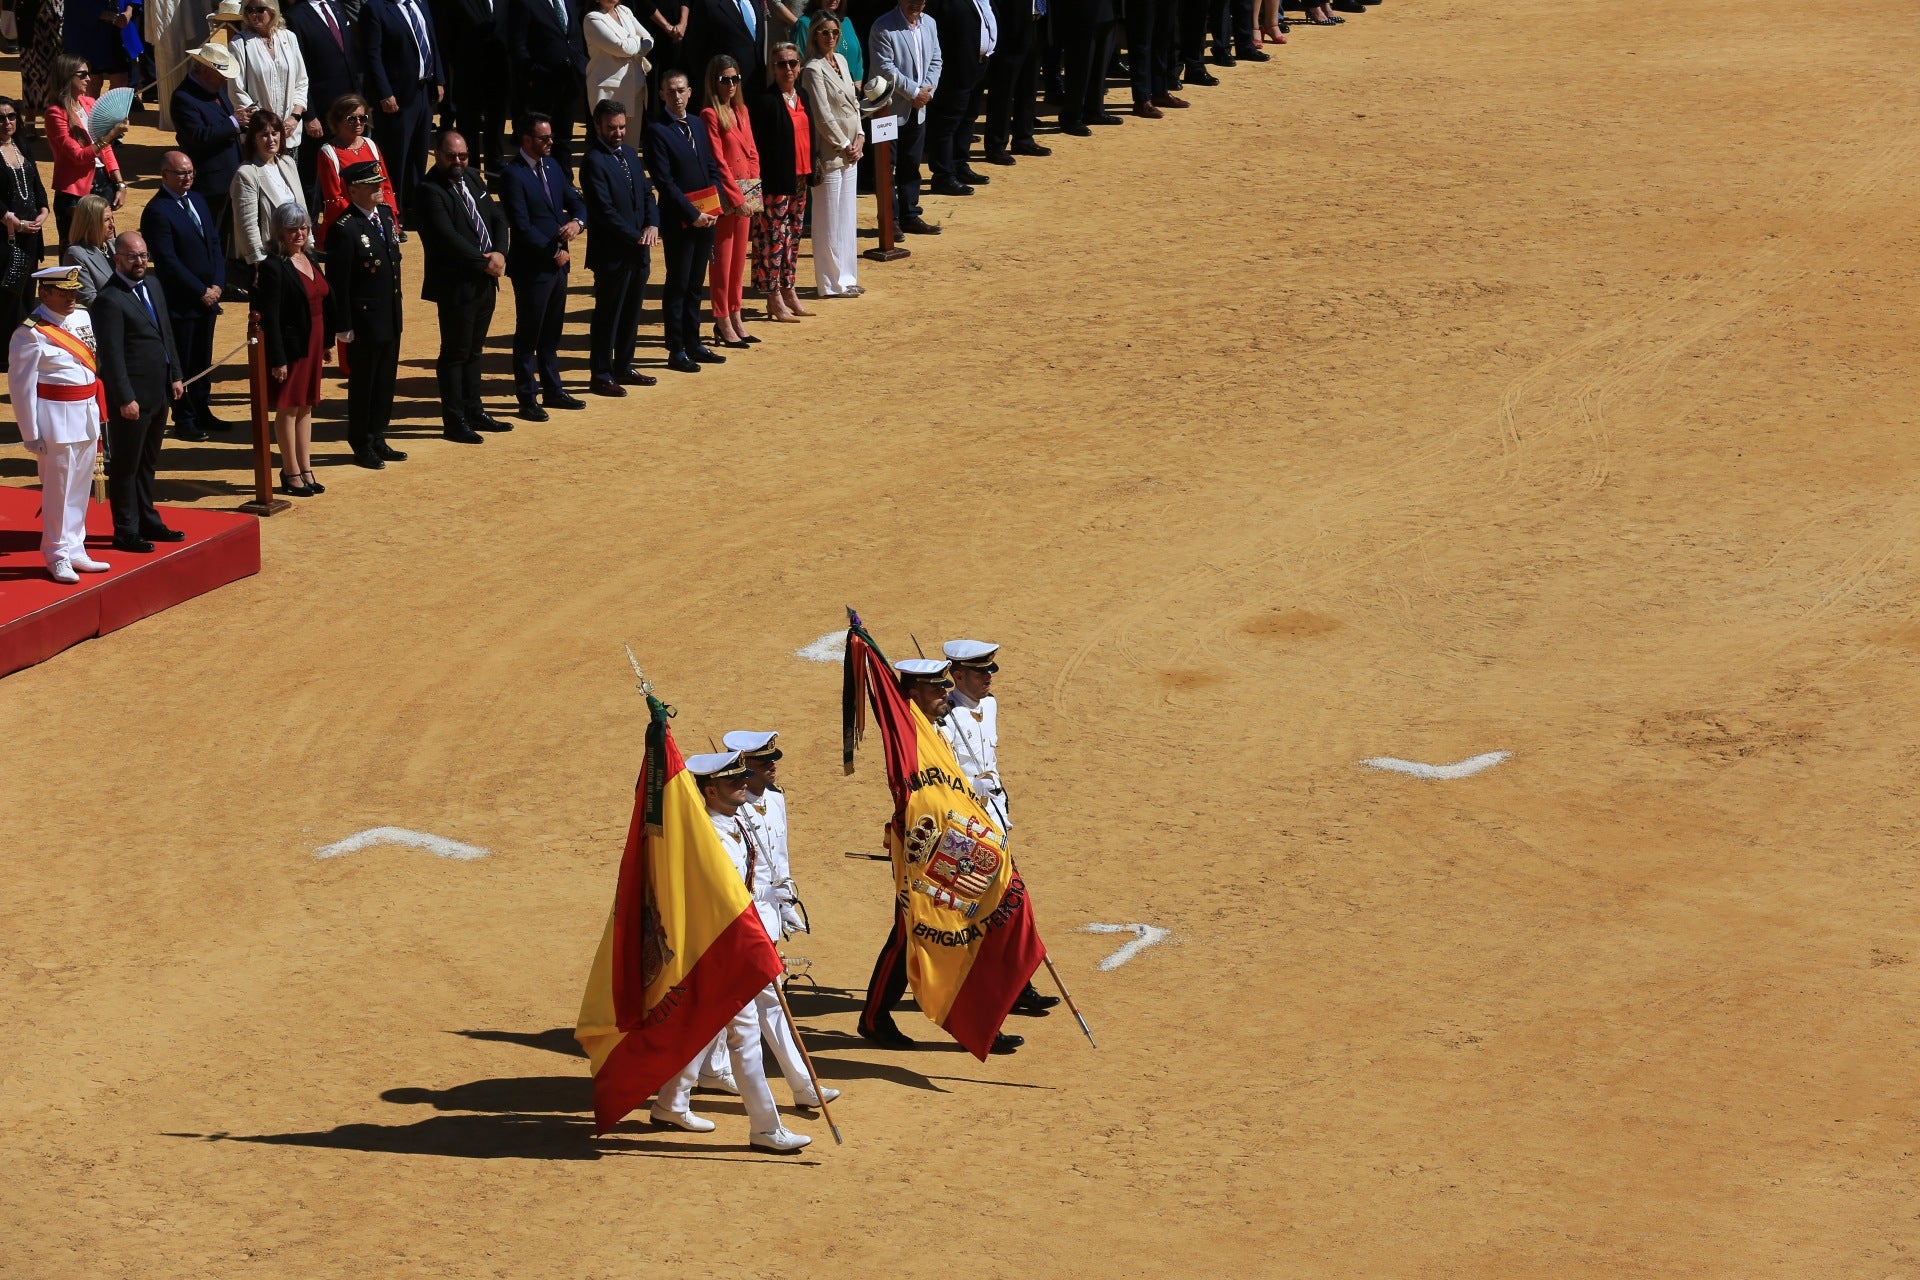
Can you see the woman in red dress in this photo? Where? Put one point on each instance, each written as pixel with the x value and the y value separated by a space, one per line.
pixel 296 320
pixel 347 117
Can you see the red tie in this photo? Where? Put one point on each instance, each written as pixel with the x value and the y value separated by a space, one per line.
pixel 326 11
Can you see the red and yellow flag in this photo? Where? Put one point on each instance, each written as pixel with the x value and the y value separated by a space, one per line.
pixel 683 950
pixel 971 941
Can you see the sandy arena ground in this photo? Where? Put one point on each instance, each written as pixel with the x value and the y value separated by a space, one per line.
pixel 1533 377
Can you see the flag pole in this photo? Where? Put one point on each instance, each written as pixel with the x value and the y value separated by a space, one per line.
pixel 916 644
pixel 779 989
pixel 1074 1009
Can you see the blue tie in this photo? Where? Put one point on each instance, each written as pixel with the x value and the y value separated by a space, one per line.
pixel 747 15
pixel 419 38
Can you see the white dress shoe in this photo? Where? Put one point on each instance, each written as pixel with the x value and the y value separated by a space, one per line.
pixel 681 1120
pixel 87 564
pixel 63 572
pixel 722 1083
pixel 781 1139
pixel 810 1099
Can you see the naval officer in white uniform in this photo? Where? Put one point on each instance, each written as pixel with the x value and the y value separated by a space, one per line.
pixel 765 816
pixel 52 376
pixel 722 779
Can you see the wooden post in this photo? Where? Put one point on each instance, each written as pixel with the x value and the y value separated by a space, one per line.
pixel 884 129
pixel 263 503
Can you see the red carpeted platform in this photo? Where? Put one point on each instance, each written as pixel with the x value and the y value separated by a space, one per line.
pixel 39 617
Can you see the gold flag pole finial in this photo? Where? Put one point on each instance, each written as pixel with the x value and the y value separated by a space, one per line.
pixel 646 685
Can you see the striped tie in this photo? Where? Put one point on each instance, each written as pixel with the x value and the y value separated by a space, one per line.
pixel 473 216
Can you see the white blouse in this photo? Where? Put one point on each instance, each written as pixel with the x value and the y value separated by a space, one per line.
pixel 273 74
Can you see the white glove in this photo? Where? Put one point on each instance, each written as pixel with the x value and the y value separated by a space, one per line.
pixel 345 337
pixel 790 919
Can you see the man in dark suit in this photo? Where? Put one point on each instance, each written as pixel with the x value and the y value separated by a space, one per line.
pixel 464 235
pixel 732 27
pixel 405 79
pixel 190 257
pixel 1089 31
pixel 208 125
pixel 480 76
pixel 544 214
pixel 1152 27
pixel 680 158
pixel 363 270
pixel 1012 79
pixel 626 225
pixel 141 368
pixel 330 45
pixel 951 114
pixel 553 67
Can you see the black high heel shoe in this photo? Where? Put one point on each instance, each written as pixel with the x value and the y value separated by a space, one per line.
pixel 311 483
pixel 287 486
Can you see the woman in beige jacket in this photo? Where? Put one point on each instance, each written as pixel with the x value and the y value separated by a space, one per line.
pixel 834 103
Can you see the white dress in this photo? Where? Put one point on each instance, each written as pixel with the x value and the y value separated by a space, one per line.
pixel 617 48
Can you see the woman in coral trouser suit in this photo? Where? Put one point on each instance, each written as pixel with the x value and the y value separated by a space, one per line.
pixel 727 125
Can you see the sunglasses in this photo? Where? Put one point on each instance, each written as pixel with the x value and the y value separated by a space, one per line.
pixel 358 117
pixel 787 62
pixel 8 115
pixel 256 8
pixel 729 79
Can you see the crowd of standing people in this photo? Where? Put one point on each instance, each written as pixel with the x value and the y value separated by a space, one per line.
pixel 314 144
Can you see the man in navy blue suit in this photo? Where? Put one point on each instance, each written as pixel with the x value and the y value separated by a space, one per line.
pixel 626 225
pixel 680 158
pixel 190 258
pixel 208 125
pixel 330 45
pixel 405 79
pixel 544 214
pixel 552 62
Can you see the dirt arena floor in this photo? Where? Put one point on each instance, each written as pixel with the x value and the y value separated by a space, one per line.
pixel 1534 377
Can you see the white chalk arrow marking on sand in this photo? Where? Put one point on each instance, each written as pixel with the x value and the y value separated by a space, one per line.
pixel 831 647
pixel 1460 769
pixel 439 846
pixel 1144 936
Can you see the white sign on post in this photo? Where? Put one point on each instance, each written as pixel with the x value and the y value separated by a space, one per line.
pixel 885 128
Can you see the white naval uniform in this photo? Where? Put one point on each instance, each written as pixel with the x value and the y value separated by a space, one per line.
pixel 742 1034
pixel 766 821
pixel 972 729
pixel 70 428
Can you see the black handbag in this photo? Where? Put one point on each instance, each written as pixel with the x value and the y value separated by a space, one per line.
pixel 14 268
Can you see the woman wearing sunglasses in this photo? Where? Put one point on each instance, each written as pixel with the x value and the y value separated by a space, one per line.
pixel 23 203
pixel 273 72
pixel 349 144
pixel 733 146
pixel 784 128
pixel 837 140
pixel 79 167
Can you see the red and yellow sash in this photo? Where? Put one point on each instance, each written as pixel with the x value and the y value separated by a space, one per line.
pixel 80 351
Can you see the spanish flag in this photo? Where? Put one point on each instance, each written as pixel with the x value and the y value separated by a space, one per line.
pixel 683 950
pixel 971 941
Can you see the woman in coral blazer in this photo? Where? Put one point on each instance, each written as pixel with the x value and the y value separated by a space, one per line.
pixel 733 147
pixel 75 158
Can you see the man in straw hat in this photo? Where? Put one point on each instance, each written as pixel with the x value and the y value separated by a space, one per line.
pixel 51 375
pixel 764 821
pixel 722 779
pixel 928 685
pixel 208 124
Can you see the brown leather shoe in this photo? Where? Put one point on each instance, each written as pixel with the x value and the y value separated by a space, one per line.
pixel 1147 111
pixel 1168 101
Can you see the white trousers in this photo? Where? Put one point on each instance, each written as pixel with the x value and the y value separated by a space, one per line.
pixel 66 481
pixel 778 1033
pixel 836 222
pixel 743 1047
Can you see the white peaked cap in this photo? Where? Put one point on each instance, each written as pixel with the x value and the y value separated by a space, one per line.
pixel 922 668
pixel 748 741
pixel 969 650
pixel 712 763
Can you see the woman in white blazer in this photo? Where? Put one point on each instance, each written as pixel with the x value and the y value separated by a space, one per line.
pixel 617 48
pixel 267 179
pixel 834 103
pixel 273 74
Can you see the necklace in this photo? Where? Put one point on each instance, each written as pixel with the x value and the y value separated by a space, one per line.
pixel 18 172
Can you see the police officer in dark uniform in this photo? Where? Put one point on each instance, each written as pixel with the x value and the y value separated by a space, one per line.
pixel 363 270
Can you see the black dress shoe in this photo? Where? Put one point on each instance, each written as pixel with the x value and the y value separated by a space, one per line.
pixel 1255 55
pixel 191 434
pixel 207 422
pixel 164 534
pixel 999 157
pixel 1103 117
pixel 1076 130
pixel 681 362
pixel 369 460
pixel 634 378
pixel 1199 75
pixel 972 178
pixel 604 385
pixel 918 227
pixel 487 422
pixel 1004 1043
pixel 950 187
pixel 707 355
pixel 139 546
pixel 387 453
pixel 461 433
pixel 1033 1004
pixel 886 1035
pixel 561 400
pixel 532 412
pixel 1030 148
pixel 1223 60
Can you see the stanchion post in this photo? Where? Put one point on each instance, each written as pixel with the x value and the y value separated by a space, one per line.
pixel 263 503
pixel 884 129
